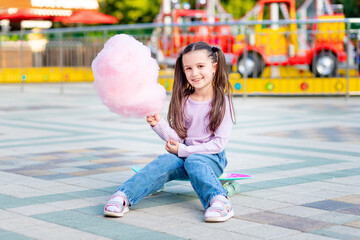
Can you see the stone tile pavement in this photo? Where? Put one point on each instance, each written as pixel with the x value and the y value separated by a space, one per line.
pixel 63 154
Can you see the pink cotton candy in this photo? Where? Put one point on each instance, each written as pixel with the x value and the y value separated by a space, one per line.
pixel 125 77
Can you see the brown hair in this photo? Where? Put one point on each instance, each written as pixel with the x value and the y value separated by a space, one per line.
pixel 182 91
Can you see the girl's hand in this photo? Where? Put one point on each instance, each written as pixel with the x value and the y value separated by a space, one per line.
pixel 153 120
pixel 172 147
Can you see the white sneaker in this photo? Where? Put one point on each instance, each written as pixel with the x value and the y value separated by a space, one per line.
pixel 220 210
pixel 117 206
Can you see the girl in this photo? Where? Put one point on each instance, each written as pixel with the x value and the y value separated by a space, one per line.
pixel 200 120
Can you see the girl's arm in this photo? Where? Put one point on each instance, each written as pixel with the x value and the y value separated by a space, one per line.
pixel 215 145
pixel 165 132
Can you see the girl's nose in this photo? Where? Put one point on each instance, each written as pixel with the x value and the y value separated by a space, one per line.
pixel 195 72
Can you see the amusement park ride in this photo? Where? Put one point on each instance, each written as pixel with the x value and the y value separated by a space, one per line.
pixel 173 39
pixel 273 55
pixel 322 50
pixel 265 44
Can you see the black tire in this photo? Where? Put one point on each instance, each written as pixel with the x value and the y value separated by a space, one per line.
pixel 324 64
pixel 254 66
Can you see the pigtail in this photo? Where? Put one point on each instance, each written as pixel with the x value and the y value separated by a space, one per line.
pixel 223 76
pixel 222 91
pixel 181 90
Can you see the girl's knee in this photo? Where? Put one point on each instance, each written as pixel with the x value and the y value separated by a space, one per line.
pixel 199 161
pixel 166 161
pixel 194 160
pixel 166 158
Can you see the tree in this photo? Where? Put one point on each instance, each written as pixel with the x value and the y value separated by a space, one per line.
pixel 144 11
pixel 131 11
pixel 351 7
pixel 238 8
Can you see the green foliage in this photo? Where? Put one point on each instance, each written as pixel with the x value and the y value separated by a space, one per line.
pixel 4 38
pixel 238 8
pixel 131 11
pixel 144 11
pixel 351 7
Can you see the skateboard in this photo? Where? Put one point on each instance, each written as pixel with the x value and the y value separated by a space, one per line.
pixel 227 179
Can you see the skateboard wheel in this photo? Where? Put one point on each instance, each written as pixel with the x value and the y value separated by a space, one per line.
pixel 229 190
pixel 236 187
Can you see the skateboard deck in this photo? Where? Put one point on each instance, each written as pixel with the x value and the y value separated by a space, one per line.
pixel 227 180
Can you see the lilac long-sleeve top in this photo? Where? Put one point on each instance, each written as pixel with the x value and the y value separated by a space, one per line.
pixel 199 140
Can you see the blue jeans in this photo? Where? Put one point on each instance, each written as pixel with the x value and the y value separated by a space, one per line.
pixel 202 170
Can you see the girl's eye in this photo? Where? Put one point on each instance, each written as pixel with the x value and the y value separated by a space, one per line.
pixel 200 66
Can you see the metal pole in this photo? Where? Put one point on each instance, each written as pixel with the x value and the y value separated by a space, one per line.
pixel 23 76
pixel 348 60
pixel 210 7
pixel 61 58
pixel 105 35
pixel 1 53
pixel 245 60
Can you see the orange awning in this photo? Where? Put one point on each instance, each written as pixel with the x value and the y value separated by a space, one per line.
pixel 88 17
pixel 15 4
pixel 55 4
pixel 17 15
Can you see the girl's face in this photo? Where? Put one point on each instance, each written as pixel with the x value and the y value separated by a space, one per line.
pixel 199 69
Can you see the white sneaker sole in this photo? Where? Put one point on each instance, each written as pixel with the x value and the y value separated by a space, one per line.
pixel 116 214
pixel 220 219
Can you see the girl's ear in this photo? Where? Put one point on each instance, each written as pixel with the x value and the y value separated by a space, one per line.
pixel 214 68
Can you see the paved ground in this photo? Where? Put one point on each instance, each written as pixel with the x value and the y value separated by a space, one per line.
pixel 62 155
